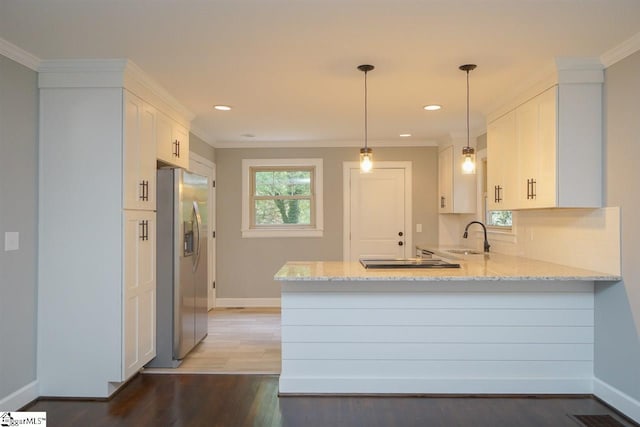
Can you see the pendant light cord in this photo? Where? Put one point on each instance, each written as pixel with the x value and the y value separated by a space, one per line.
pixel 365 111
pixel 467 108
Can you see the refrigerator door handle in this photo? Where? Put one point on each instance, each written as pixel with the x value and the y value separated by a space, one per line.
pixel 198 222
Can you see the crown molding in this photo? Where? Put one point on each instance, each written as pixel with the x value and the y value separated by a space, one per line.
pixel 322 144
pixel 579 70
pixel 618 53
pixel 111 73
pixel 19 55
pixel 134 72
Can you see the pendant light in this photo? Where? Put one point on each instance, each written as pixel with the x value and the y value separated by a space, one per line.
pixel 468 153
pixel 366 154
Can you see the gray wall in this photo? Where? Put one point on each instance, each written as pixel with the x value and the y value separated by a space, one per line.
pixel 236 278
pixel 617 351
pixel 481 142
pixel 201 148
pixel 18 212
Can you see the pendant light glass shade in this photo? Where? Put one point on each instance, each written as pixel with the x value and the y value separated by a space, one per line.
pixel 366 160
pixel 468 153
pixel 469 161
pixel 366 154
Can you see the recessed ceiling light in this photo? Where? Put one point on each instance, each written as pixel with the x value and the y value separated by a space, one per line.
pixel 222 107
pixel 405 135
pixel 432 107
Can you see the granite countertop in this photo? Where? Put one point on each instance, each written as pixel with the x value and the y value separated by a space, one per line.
pixel 472 267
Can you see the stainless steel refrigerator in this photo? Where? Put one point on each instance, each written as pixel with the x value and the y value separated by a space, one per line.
pixel 182 234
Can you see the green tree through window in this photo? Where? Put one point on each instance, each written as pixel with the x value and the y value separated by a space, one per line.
pixel 282 196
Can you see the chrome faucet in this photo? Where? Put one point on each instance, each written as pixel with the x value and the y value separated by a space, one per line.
pixel 486 242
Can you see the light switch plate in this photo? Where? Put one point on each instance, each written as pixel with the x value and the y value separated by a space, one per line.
pixel 11 241
pixel 418 228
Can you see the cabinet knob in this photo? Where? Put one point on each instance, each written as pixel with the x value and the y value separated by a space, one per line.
pixel 401 234
pixel 400 243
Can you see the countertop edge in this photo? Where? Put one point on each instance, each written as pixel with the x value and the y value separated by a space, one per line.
pixel 450 279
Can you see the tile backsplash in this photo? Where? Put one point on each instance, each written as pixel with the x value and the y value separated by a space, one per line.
pixel 583 238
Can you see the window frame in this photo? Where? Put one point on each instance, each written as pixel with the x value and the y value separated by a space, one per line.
pixel 250 229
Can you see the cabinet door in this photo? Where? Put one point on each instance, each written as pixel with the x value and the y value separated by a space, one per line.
pixel 138 154
pixel 181 145
pixel 139 296
pixel 536 133
pixel 148 156
pixel 164 129
pixel 502 163
pixel 445 180
pixel 172 142
pixel 546 184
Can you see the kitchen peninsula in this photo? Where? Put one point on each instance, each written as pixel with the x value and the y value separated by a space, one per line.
pixel 497 324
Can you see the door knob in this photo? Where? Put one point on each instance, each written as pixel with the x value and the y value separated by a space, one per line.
pixel 401 234
pixel 400 243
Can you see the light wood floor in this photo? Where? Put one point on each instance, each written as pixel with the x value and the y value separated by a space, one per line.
pixel 240 340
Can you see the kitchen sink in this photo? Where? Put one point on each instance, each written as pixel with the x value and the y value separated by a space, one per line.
pixel 465 252
pixel 407 263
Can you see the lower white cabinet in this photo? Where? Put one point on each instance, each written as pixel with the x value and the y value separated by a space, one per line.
pixel 139 291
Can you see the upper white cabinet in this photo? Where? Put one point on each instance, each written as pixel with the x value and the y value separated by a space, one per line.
pixel 457 192
pixel 172 142
pixel 502 156
pixel 139 168
pixel 96 284
pixel 536 143
pixel 547 151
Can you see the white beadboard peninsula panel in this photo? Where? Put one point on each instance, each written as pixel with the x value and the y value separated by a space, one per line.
pixel 444 368
pixel 438 334
pixel 469 337
pixel 414 385
pixel 437 316
pixel 437 351
pixel 454 298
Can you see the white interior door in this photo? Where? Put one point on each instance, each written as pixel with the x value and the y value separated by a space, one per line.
pixel 378 221
pixel 202 166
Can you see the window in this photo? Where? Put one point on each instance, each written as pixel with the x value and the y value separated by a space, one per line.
pixel 282 198
pixel 499 219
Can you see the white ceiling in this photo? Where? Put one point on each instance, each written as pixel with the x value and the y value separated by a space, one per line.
pixel 288 67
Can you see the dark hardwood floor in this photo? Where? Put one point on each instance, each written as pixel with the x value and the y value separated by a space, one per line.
pixel 252 400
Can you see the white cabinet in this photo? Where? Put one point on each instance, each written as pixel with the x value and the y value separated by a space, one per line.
pixel 546 152
pixel 457 192
pixel 139 326
pixel 139 167
pixel 501 160
pixel 536 151
pixel 445 180
pixel 172 142
pixel 96 252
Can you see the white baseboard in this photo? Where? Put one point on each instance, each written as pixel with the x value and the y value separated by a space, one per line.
pixel 247 302
pixel 19 398
pixel 336 385
pixel 619 400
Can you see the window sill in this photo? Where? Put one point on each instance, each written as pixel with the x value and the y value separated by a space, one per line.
pixel 282 233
